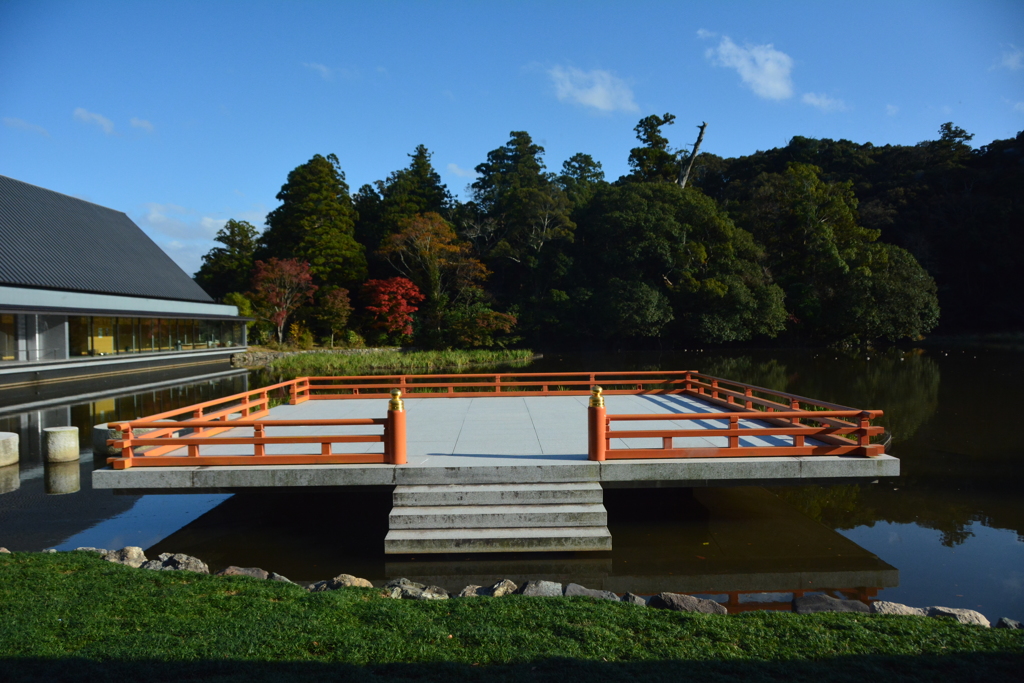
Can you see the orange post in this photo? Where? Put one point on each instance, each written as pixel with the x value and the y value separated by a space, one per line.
pixel 597 421
pixel 396 424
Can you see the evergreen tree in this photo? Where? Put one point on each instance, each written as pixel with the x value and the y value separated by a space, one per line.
pixel 316 223
pixel 228 268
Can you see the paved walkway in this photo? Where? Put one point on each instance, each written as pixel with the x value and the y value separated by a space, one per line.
pixel 447 432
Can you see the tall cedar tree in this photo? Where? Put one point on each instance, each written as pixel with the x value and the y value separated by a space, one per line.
pixel 228 268
pixel 416 189
pixel 316 223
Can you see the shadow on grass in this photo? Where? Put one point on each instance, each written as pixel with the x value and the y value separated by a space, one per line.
pixel 955 667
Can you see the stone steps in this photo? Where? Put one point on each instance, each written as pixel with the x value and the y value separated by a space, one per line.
pixel 490 518
pixel 538 539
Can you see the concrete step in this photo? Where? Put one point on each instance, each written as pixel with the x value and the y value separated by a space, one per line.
pixel 498 494
pixel 498 516
pixel 544 539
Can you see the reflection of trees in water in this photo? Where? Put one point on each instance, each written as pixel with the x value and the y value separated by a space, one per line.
pixel 770 374
pixel 904 384
pixel 853 505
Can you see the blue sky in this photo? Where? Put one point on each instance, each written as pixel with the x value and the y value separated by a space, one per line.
pixel 183 115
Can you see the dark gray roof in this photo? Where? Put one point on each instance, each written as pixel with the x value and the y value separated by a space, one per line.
pixel 52 241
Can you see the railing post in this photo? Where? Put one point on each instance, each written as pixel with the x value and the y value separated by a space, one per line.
pixel 734 425
pixel 863 439
pixel 245 406
pixel 748 404
pixel 259 432
pixel 197 415
pixel 597 423
pixel 127 449
pixel 294 391
pixel 688 383
pixel 795 405
pixel 497 384
pixel 714 388
pixel 396 424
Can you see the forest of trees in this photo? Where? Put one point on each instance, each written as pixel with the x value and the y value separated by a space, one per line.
pixel 818 242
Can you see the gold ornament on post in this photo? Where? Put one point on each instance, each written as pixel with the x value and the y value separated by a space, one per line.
pixel 596 399
pixel 396 400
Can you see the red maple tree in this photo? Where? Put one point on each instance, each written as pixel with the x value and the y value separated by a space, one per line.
pixel 391 302
pixel 279 287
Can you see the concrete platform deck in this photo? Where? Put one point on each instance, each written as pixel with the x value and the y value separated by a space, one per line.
pixel 503 440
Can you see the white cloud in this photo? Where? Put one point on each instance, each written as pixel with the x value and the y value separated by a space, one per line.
pixel 761 67
pixel 891 110
pixel 142 123
pixel 89 117
pixel 21 124
pixel 325 71
pixel 598 89
pixel 823 102
pixel 212 224
pixel 461 172
pixel 1012 59
pixel 1019 107
pixel 704 33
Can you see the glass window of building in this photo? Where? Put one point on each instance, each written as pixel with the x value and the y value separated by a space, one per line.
pixel 103 336
pixel 8 337
pixel 127 335
pixel 79 337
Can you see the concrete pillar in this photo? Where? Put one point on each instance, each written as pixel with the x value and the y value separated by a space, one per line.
pixel 63 477
pixel 61 444
pixel 10 479
pixel 8 448
pixel 100 434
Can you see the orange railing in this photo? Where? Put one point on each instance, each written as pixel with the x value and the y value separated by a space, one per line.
pixel 497 384
pixel 745 402
pixel 178 437
pixel 170 442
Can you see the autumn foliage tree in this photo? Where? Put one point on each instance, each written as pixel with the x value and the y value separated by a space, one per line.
pixel 333 310
pixel 279 287
pixel 392 303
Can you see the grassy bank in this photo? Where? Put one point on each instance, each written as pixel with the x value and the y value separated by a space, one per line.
pixel 396 362
pixel 73 616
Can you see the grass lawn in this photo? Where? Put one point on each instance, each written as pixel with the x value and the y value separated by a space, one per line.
pixel 72 616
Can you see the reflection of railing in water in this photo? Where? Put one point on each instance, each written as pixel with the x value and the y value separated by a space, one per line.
pixel 787 420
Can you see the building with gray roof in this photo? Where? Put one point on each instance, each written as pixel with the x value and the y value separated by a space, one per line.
pixel 85 292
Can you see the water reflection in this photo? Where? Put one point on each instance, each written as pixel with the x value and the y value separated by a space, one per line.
pixel 63 478
pixel 734 545
pixel 10 478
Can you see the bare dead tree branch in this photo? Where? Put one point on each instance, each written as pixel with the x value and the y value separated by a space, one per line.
pixel 684 173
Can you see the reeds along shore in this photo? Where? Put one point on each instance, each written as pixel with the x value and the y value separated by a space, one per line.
pixel 391 361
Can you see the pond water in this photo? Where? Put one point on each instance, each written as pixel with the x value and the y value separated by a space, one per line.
pixel 948 531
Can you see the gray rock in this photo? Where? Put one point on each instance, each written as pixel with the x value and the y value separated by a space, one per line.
pixel 87 549
pixel 404 589
pixel 883 607
pixel 50 551
pixel 964 616
pixel 541 589
pixel 339 581
pixel 574 590
pixel 131 556
pixel 686 603
pixel 254 572
pixel 1008 623
pixel 470 592
pixel 177 562
pixel 634 599
pixel 812 604
pixel 432 593
pixel 274 576
pixel 500 588
pixel 4 551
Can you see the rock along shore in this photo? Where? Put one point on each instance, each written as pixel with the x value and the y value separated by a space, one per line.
pixel 404 589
